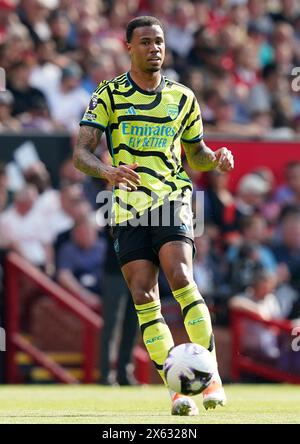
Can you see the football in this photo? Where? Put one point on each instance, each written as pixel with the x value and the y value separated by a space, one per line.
pixel 189 369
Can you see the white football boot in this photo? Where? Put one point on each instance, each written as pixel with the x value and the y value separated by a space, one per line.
pixel 183 406
pixel 214 395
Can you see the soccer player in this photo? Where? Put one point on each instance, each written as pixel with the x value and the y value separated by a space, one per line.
pixel 146 118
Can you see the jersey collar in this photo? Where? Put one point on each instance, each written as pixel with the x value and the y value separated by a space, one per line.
pixel 143 91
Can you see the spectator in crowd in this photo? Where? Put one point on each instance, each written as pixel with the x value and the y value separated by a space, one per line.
pixel 246 66
pixel 259 33
pixel 17 47
pixel 60 28
pixel 37 118
pixel 57 209
pixel 24 229
pixel 270 209
pixel 34 15
pixel 68 175
pixel 289 193
pixel 225 125
pixel 252 191
pixel 259 16
pixel 48 204
pixel 288 11
pixel 253 230
pixel 81 209
pixel 46 72
pixel 116 20
pixel 18 84
pixel 219 205
pixel 8 123
pixel 68 100
pixel 179 33
pixel 37 174
pixel 286 245
pixel 207 270
pixel 270 95
pixel 61 217
pixel 7 8
pixel 97 70
pixel 203 39
pixel 259 298
pixel 81 261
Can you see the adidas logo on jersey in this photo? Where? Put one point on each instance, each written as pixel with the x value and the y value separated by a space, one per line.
pixel 131 111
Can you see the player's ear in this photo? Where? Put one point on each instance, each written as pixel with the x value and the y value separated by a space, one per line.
pixel 128 46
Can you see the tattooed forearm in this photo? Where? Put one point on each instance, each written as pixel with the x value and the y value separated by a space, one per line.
pixel 84 158
pixel 199 156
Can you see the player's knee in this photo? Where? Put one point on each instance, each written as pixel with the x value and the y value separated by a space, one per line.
pixel 180 277
pixel 141 296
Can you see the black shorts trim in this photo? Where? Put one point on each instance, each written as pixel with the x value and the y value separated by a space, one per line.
pixel 152 254
pixel 141 253
pixel 176 237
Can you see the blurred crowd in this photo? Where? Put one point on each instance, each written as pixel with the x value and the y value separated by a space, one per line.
pixel 237 56
pixel 252 230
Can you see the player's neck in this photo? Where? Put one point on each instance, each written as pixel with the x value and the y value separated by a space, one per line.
pixel 146 81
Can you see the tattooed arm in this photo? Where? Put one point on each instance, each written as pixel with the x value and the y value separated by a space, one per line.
pixel 200 157
pixel 84 158
pixel 86 161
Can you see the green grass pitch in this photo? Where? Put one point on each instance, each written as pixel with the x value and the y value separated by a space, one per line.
pixel 61 404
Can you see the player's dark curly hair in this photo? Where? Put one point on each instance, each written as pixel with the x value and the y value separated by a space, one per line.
pixel 138 22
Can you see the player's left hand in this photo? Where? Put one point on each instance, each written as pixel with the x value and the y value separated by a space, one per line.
pixel 224 158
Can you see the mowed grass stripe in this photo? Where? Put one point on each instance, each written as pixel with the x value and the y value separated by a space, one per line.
pixel 94 404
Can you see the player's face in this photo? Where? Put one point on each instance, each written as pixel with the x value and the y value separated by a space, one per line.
pixel 147 48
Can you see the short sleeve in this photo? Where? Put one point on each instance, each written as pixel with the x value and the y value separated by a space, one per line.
pixel 193 130
pixel 98 111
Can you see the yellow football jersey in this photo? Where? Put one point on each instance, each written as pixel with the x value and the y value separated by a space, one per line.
pixel 146 128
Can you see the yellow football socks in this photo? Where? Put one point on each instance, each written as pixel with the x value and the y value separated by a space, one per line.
pixel 156 334
pixel 196 316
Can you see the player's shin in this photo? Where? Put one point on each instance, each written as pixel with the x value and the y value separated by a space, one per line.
pixel 156 334
pixel 196 317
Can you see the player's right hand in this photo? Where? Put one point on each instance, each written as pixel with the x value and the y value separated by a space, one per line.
pixel 124 177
